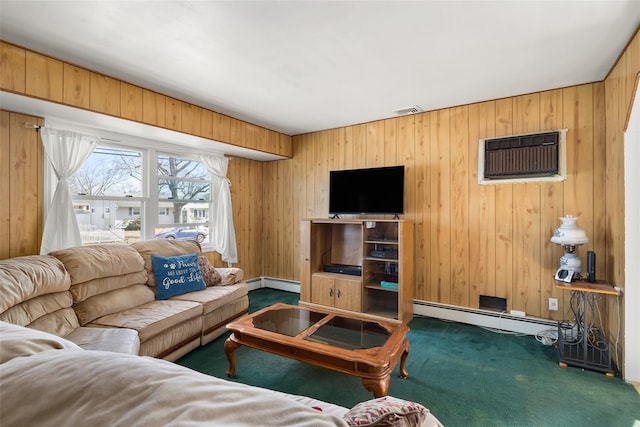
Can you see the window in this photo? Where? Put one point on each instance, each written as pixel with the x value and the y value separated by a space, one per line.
pixel 124 195
pixel 185 185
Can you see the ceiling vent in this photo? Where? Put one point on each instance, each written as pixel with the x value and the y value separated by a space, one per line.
pixel 408 110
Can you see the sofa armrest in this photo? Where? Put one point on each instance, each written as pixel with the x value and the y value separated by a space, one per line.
pixel 230 275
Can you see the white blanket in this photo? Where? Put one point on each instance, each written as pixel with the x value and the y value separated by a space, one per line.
pixel 93 388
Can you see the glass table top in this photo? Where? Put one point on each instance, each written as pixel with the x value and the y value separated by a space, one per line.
pixel 339 331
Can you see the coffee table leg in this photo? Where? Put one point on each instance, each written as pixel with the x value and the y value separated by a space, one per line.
pixel 378 387
pixel 403 360
pixel 229 348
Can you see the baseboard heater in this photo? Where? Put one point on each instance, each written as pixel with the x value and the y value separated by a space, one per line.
pixel 483 318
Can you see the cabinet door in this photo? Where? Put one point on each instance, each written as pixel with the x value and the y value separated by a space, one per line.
pixel 348 294
pixel 322 290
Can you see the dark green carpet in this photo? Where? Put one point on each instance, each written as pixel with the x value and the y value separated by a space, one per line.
pixel 465 375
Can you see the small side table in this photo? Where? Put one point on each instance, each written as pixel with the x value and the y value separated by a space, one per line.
pixel 587 347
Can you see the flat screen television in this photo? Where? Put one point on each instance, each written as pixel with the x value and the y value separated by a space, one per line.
pixel 367 191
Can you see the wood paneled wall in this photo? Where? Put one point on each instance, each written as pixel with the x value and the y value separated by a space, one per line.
pixel 39 76
pixel 21 189
pixel 470 239
pixel 619 89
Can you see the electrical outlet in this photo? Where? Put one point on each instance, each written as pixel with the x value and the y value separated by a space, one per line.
pixel 553 304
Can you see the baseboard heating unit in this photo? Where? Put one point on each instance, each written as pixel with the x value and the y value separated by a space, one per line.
pixel 483 318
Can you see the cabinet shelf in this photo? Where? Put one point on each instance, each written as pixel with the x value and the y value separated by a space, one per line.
pixel 376 259
pixel 382 242
pixel 381 288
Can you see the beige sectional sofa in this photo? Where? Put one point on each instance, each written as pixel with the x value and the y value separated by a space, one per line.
pixel 103 297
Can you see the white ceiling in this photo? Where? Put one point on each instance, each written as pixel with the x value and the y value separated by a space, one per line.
pixel 303 66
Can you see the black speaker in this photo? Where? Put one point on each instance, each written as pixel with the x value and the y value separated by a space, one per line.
pixel 591 266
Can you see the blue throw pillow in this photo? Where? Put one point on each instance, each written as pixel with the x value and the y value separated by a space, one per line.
pixel 176 275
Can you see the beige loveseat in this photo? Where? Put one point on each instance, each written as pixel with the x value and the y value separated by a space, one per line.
pixel 104 297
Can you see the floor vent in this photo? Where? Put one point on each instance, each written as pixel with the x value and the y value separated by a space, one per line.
pixel 518 157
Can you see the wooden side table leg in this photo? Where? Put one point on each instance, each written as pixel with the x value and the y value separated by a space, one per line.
pixel 403 360
pixel 229 348
pixel 378 387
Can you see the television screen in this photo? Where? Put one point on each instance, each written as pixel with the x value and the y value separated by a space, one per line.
pixel 367 191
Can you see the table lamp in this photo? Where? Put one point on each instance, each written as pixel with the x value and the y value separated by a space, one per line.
pixel 569 235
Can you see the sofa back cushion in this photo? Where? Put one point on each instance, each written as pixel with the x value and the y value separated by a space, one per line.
pixel 34 292
pixel 105 279
pixel 163 247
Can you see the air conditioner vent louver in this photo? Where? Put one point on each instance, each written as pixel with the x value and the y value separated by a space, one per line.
pixel 534 155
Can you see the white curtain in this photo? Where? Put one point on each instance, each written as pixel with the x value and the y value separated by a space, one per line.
pixel 67 151
pixel 221 219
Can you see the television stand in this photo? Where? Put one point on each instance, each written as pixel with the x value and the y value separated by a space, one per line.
pixel 358 265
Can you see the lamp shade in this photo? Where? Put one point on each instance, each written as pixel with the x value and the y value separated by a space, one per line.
pixel 569 233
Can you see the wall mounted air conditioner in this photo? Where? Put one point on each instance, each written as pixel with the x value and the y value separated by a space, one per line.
pixel 532 157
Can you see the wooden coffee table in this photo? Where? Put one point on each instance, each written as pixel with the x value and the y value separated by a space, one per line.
pixel 358 346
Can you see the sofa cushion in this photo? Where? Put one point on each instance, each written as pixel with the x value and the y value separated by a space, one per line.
pixel 23 278
pixel 177 275
pixel 85 290
pixel 163 247
pixel 18 341
pixel 86 263
pixel 215 297
pixel 32 309
pixel 112 302
pixel 210 274
pixel 151 318
pixel 230 275
pixel 118 340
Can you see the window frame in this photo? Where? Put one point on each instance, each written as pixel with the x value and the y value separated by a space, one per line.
pixel 149 201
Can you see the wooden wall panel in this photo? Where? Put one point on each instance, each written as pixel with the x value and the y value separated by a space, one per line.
pixel 191 119
pixel 173 114
pixel 131 102
pixel 459 197
pixel 440 218
pixel 43 77
pixel 5 185
pixel 77 86
pixel 21 190
pixel 221 127
pixel 482 226
pixel 104 94
pixel 13 75
pixel 153 108
pixel 422 185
